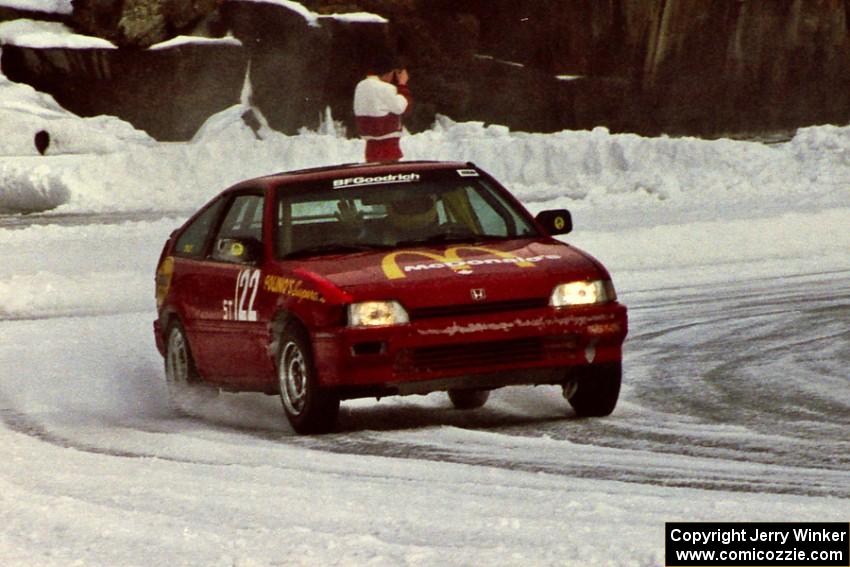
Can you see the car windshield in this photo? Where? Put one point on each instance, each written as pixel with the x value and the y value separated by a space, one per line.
pixel 362 218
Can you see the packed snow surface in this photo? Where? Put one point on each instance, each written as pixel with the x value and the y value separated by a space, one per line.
pixel 732 257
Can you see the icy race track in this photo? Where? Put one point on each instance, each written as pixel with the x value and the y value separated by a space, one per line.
pixel 736 389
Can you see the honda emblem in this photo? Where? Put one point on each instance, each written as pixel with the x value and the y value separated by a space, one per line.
pixel 478 294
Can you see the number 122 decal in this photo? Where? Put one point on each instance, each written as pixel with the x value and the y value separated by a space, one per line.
pixel 241 307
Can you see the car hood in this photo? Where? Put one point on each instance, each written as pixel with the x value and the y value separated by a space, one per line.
pixel 458 273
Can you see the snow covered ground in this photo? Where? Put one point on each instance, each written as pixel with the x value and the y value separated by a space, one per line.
pixel 734 258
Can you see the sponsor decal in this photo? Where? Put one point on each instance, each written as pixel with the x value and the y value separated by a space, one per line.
pixel 604 329
pixel 452 260
pixel 376 180
pixel 468 173
pixel 291 287
pixel 506 326
pixel 560 223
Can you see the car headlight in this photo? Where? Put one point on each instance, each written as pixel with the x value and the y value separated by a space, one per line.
pixel 376 314
pixel 582 293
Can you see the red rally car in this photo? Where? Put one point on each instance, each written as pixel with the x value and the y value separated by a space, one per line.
pixel 371 280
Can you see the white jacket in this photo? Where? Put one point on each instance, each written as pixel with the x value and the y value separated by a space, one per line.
pixel 378 107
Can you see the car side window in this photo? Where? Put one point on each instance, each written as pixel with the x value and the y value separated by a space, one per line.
pixel 492 220
pixel 243 221
pixel 191 243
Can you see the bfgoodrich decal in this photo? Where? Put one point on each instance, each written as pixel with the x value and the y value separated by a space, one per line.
pixel 376 180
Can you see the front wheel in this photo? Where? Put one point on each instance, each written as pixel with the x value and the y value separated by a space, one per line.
pixel 468 399
pixel 308 407
pixel 596 390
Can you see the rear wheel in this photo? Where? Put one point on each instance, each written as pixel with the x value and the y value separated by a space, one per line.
pixel 596 390
pixel 181 376
pixel 468 399
pixel 308 407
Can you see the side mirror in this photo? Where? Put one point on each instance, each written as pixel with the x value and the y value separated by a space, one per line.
pixel 556 221
pixel 239 250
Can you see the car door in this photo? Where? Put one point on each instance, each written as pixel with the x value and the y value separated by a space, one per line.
pixel 231 336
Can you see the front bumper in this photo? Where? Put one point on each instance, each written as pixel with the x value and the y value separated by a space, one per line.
pixel 484 351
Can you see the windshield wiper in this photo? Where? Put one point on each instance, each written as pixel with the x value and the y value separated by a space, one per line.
pixel 333 248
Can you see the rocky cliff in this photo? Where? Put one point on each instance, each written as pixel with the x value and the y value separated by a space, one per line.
pixel 699 67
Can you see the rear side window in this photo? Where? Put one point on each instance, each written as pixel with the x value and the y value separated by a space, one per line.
pixel 191 242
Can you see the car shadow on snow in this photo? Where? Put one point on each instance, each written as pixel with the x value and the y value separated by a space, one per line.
pixel 261 416
pixel 516 407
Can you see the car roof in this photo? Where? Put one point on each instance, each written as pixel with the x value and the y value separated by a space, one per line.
pixel 349 169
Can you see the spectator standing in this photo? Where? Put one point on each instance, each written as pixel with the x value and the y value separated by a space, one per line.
pixel 380 100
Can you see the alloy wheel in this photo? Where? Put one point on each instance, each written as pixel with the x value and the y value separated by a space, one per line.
pixel 293 378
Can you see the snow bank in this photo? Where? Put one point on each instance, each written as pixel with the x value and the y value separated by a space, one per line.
pixel 600 166
pixel 314 19
pixel 579 169
pixel 193 40
pixel 24 111
pixel 27 186
pixel 49 6
pixel 32 33
pixel 30 182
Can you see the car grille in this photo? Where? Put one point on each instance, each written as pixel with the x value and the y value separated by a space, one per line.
pixel 482 354
pixel 476 308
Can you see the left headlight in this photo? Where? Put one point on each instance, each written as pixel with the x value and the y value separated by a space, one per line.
pixel 376 314
pixel 582 293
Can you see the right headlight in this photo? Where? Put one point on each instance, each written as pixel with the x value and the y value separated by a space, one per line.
pixel 582 293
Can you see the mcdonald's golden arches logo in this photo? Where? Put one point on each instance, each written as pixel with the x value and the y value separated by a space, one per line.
pixel 452 259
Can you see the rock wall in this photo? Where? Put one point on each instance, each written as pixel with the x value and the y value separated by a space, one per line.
pixel 298 68
pixel 168 93
pixel 142 23
pixel 766 65
pixel 696 67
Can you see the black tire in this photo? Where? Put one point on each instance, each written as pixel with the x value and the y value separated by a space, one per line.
pixel 308 407
pixel 597 390
pixel 468 399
